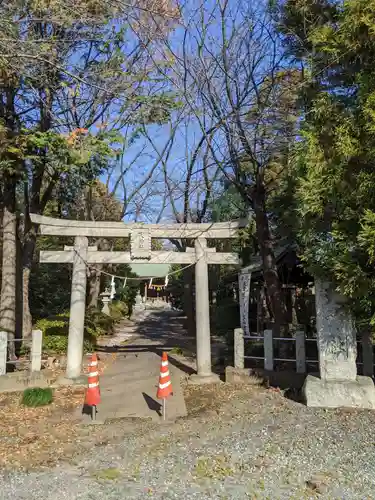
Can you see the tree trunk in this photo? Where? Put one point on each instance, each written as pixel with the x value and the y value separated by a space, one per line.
pixel 27 322
pixel 94 287
pixel 95 280
pixel 8 282
pixel 214 272
pixel 270 274
pixel 188 300
pixel 28 259
pixel 19 291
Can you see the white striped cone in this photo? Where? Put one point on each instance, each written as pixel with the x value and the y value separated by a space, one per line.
pixel 92 397
pixel 165 384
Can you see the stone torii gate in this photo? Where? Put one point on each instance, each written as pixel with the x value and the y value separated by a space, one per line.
pixel 140 235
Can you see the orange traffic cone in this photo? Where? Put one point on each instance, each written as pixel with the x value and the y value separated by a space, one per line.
pixel 92 395
pixel 165 384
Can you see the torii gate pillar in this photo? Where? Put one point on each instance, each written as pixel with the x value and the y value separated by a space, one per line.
pixel 202 313
pixel 77 308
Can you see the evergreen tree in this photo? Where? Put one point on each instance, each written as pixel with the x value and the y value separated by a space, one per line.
pixel 334 160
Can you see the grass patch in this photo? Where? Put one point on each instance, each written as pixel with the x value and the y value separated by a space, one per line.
pixel 177 350
pixel 213 467
pixel 110 474
pixel 37 397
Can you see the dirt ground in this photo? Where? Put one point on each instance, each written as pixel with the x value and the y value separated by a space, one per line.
pixel 40 437
pixel 237 441
pixel 37 437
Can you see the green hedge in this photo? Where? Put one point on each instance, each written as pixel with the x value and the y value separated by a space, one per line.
pixel 55 334
pixel 56 328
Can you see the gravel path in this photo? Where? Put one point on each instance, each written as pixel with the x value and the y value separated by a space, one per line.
pixel 125 331
pixel 249 442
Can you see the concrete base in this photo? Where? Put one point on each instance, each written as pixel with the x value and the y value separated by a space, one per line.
pixel 259 376
pixel 196 379
pixel 78 382
pixel 242 376
pixel 89 421
pixel 167 421
pixel 128 391
pixel 359 393
pixel 19 381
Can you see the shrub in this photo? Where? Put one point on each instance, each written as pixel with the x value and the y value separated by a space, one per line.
pixel 99 323
pixel 58 344
pixel 56 328
pixel 225 318
pixel 55 333
pixel 118 310
pixel 37 397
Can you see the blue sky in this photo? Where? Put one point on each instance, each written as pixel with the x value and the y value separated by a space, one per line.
pixel 149 201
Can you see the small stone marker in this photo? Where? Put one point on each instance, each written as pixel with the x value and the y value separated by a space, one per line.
pixel 239 349
pixel 3 352
pixel 36 350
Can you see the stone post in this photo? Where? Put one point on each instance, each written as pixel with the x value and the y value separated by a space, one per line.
pixel 36 350
pixel 300 352
pixel 244 284
pixel 338 385
pixel 77 308
pixel 268 350
pixel 239 349
pixel 202 315
pixel 3 352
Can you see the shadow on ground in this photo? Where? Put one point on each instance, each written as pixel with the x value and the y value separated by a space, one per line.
pixel 152 404
pixel 161 331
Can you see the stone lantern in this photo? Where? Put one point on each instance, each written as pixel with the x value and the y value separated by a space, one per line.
pixel 106 299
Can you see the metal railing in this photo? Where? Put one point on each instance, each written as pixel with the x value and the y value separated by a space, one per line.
pixel 300 360
pixel 35 351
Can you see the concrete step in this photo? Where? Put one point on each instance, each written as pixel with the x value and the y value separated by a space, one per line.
pixel 128 390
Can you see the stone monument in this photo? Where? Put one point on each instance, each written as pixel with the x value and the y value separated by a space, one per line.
pixel 338 384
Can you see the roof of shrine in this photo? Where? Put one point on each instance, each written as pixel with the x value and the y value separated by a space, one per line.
pixel 147 270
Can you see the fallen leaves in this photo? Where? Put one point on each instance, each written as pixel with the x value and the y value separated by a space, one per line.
pixel 34 437
pixel 211 398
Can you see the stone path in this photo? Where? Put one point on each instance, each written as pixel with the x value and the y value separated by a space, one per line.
pixel 128 387
pixel 123 333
